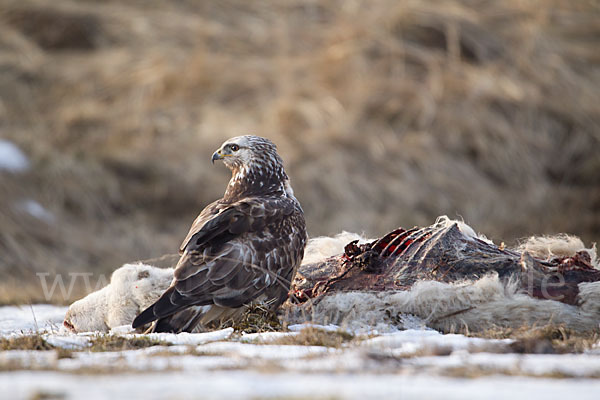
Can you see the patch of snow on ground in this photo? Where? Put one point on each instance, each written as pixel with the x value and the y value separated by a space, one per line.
pixel 410 364
pixel 36 210
pixel 68 341
pixel 12 157
pixel 185 338
pixel 411 342
pixel 252 384
pixel 327 328
pixel 35 318
pixel 265 352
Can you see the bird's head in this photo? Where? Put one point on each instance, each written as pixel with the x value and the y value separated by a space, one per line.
pixel 255 166
pixel 244 151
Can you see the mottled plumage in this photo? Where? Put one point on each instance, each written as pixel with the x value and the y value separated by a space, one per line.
pixel 242 249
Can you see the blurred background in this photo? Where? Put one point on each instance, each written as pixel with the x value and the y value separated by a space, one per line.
pixel 387 113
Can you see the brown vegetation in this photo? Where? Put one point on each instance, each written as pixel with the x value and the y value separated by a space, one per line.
pixel 257 318
pixel 312 336
pixel 30 342
pixel 387 113
pixel 550 339
pixel 119 343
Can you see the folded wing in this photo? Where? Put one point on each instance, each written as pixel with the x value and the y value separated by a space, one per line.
pixel 242 252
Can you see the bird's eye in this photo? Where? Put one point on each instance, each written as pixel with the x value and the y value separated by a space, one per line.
pixel 234 147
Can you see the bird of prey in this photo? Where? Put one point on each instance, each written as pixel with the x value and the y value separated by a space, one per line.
pixel 242 249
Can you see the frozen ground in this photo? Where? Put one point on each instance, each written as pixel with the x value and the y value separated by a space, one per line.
pixel 224 364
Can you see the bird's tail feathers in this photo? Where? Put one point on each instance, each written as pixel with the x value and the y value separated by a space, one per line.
pixel 166 305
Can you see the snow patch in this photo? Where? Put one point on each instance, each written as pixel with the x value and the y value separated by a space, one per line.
pixel 221 384
pixel 27 319
pixel 385 366
pixel 12 158
pixel 184 338
pixel 68 341
pixel 36 210
pixel 414 342
pixel 327 328
pixel 258 351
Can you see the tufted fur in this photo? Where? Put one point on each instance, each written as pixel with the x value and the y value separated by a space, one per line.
pixel 132 288
pixel 469 305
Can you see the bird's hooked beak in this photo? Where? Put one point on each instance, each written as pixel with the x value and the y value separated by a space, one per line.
pixel 219 155
pixel 216 156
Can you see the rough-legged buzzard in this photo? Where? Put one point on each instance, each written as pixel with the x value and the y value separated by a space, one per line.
pixel 243 248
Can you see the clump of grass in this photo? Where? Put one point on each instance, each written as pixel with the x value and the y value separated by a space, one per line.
pixel 258 318
pixel 42 395
pixel 29 342
pixel 472 372
pixel 311 336
pixel 120 343
pixel 98 343
pixel 549 339
pixel 32 342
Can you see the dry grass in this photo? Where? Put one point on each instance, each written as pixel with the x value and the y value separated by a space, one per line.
pixel 387 113
pixel 548 339
pixel 44 395
pixel 119 343
pixel 472 372
pixel 99 343
pixel 31 342
pixel 316 337
pixel 256 319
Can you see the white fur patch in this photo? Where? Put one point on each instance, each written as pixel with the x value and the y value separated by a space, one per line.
pixel 547 247
pixel 323 247
pixel 471 305
pixel 132 288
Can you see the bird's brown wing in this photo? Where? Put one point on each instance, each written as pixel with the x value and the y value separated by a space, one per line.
pixel 209 212
pixel 248 250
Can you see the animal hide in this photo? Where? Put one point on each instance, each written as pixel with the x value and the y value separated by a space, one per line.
pixel 443 252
